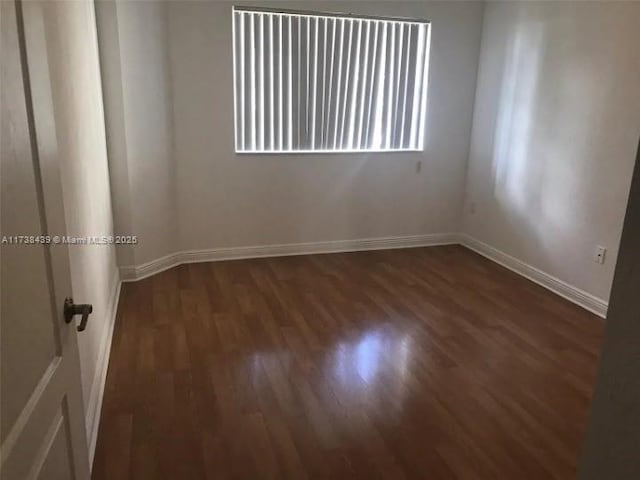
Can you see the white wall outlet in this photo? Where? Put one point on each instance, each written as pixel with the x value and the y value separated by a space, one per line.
pixel 601 252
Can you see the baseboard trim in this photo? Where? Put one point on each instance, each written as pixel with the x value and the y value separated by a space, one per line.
pixel 133 273
pixel 573 294
pixel 94 406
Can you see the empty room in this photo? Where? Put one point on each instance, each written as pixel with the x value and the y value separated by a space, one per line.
pixel 317 239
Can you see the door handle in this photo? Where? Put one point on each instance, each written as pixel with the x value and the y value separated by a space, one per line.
pixel 71 309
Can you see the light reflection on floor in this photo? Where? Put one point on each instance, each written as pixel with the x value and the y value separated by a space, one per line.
pixel 368 371
pixel 371 371
pixel 372 354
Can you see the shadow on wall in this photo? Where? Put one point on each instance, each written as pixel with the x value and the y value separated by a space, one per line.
pixel 543 142
pixel 515 119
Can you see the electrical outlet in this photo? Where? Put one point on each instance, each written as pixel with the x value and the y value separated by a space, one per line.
pixel 601 252
pixel 418 166
pixel 472 208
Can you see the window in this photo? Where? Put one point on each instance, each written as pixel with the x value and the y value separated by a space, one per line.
pixel 328 83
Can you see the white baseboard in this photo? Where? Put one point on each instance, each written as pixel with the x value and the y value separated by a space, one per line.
pixel 565 290
pixel 132 273
pixel 573 294
pixel 94 406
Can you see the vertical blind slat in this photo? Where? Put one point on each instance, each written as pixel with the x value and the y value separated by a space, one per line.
pixel 304 89
pixel 254 127
pixel 307 83
pixel 354 92
pixel 295 40
pixel 314 90
pixel 407 85
pixel 423 87
pixel 388 90
pixel 327 100
pixel 272 78
pixel 399 62
pixel 338 82
pixel 236 79
pixel 289 41
pixel 376 140
pixel 280 73
pixel 261 89
pixel 346 84
pixel 375 77
pixel 417 93
pixel 324 76
pixel 363 93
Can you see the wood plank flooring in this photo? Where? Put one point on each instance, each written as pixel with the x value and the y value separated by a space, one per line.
pixel 429 363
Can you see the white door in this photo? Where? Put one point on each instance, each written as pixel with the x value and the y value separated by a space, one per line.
pixel 42 430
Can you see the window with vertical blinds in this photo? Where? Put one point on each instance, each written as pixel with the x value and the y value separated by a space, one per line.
pixel 308 82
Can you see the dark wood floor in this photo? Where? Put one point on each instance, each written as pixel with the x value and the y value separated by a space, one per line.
pixel 426 363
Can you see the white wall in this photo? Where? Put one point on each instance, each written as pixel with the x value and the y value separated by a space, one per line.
pixel 168 90
pixel 139 124
pixel 556 124
pixel 228 200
